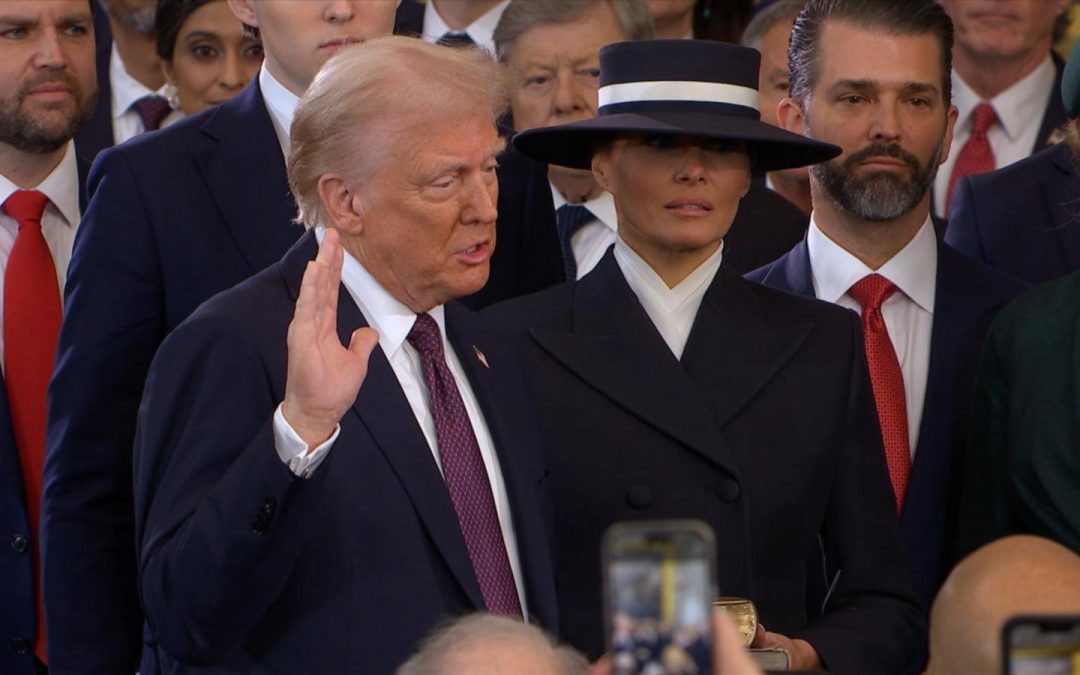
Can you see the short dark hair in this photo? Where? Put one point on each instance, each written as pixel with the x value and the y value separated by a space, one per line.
pixel 171 15
pixel 910 17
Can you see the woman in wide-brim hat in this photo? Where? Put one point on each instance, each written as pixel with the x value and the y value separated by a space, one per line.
pixel 670 388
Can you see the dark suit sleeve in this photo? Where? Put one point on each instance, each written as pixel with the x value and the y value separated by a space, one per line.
pixel 962 232
pixel 872 623
pixel 983 515
pixel 112 326
pixel 221 520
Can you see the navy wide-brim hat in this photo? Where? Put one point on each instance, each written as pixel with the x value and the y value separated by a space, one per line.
pixel 679 87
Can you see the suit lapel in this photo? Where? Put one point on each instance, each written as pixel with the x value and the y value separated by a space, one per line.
pixel 1062 209
pixel 385 412
pixel 1055 115
pixel 616 349
pixel 792 272
pixel 731 352
pixel 12 491
pixel 245 174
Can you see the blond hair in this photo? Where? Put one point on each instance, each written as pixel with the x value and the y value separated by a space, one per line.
pixel 340 124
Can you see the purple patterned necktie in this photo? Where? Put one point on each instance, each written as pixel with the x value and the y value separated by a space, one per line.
pixel 152 110
pixel 464 473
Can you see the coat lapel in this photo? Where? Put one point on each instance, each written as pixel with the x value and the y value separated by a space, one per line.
pixel 245 174
pixel 792 272
pixel 1063 210
pixel 615 348
pixel 384 411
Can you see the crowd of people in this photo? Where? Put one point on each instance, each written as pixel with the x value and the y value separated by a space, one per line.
pixel 325 322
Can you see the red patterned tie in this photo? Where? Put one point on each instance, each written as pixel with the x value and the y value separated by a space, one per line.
pixel 886 379
pixel 31 325
pixel 976 156
pixel 464 473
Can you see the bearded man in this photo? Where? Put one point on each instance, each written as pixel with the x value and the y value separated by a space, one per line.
pixel 874 78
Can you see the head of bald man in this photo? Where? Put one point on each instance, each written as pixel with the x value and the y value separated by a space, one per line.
pixel 1016 575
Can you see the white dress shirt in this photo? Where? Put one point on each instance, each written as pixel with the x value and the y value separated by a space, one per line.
pixel 1020 110
pixel 125 91
pixel 281 104
pixel 393 321
pixel 672 310
pixel 58 222
pixel 908 313
pixel 482 31
pixel 595 237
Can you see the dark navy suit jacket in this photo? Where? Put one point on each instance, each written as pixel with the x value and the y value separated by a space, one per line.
pixel 244 567
pixel 967 297
pixel 98 133
pixel 1022 219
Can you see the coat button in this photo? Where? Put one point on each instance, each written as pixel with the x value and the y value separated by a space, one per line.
pixel 19 543
pixel 20 646
pixel 728 490
pixel 639 496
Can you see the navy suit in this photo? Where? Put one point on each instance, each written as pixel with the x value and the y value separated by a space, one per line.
pixel 409 19
pixel 1021 219
pixel 764 429
pixel 246 568
pixel 967 297
pixel 98 132
pixel 765 227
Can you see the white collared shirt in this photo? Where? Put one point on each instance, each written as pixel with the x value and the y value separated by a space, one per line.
pixel 125 91
pixel 1020 110
pixel 58 222
pixel 595 237
pixel 482 31
pixel 908 313
pixel 393 320
pixel 672 310
pixel 281 104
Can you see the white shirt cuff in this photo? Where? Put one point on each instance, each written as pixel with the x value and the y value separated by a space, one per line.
pixel 292 449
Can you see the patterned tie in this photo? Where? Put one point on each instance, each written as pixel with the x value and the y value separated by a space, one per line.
pixel 152 110
pixel 464 473
pixel 456 40
pixel 569 218
pixel 31 325
pixel 976 156
pixel 886 379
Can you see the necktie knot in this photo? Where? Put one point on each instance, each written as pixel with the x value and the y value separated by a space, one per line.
pixel 983 117
pixel 871 291
pixel 26 207
pixel 456 40
pixel 152 110
pixel 425 336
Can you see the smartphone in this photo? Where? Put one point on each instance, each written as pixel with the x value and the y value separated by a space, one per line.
pixel 1041 645
pixel 659 585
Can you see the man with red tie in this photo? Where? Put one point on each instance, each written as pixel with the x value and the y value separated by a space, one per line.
pixel 873 78
pixel 47 93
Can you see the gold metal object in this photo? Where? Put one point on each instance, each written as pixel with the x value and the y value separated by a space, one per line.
pixel 743 614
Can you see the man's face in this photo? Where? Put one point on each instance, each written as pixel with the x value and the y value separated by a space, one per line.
pixel 774 76
pixel 138 15
pixel 666 10
pixel 48 84
pixel 428 212
pixel 557 69
pixel 1004 29
pixel 299 36
pixel 879 97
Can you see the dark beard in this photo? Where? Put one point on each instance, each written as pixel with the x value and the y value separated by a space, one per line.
pixel 22 131
pixel 880 196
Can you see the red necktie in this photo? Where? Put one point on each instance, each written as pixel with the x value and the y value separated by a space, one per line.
pixel 152 110
pixel 465 475
pixel 31 325
pixel 976 156
pixel 886 379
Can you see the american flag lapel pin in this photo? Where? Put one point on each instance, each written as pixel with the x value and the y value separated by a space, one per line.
pixel 480 356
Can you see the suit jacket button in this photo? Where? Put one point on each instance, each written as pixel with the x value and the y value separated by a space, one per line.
pixel 639 496
pixel 728 490
pixel 20 646
pixel 19 543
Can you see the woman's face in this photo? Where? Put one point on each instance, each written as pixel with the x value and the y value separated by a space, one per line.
pixel 676 196
pixel 212 60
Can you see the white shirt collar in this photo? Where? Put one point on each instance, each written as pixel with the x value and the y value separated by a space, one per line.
pixel 913 270
pixel 125 88
pixel 281 104
pixel 602 207
pixel 390 317
pixel 1016 107
pixel 61 186
pixel 482 31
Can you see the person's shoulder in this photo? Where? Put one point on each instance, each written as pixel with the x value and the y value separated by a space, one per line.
pixel 546 308
pixel 780 306
pixel 1001 185
pixel 1055 303
pixel 977 280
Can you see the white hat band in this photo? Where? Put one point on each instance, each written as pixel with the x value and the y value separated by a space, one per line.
pixel 675 90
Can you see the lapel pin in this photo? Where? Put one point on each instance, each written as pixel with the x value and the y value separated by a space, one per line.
pixel 480 356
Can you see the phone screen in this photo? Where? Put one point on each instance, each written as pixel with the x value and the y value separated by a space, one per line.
pixel 1042 646
pixel 660 583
